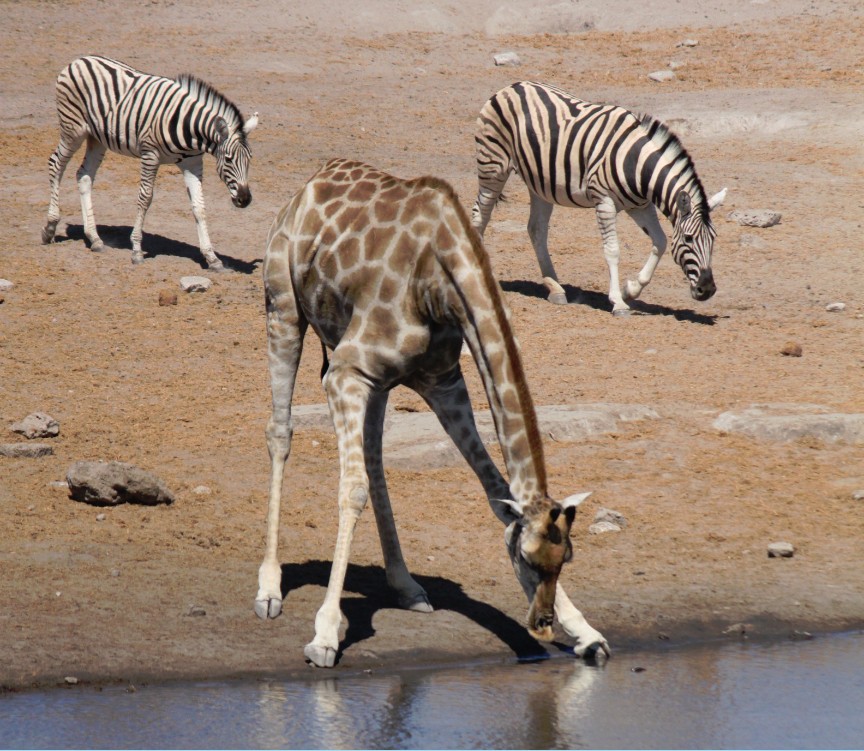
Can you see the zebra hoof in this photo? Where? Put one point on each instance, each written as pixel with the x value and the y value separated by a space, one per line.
pixel 48 232
pixel 218 268
pixel 137 258
pixel 97 247
pixel 622 312
pixel 557 298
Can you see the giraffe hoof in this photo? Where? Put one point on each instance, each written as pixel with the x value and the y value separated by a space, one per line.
pixel 268 608
pixel 419 603
pixel 321 657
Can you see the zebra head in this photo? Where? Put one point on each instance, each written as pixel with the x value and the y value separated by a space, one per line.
pixel 693 243
pixel 232 159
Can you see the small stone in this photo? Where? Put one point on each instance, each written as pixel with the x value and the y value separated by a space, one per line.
pixel 196 611
pixel 167 297
pixel 611 516
pixel 5 285
pixel 858 495
pixel 100 517
pixel 201 490
pixel 662 76
pixel 738 628
pixel 792 349
pixel 781 550
pixel 676 64
pixel 71 680
pixel 507 58
pixel 25 450
pixel 800 636
pixel 195 283
pixel 835 307
pixel 688 43
pixel 430 557
pixel 110 483
pixel 601 527
pixel 756 217
pixel 37 425
pixel 115 572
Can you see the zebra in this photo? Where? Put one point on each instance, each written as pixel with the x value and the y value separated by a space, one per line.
pixel 571 152
pixel 160 120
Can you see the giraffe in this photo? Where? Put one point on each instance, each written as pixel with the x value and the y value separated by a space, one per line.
pixel 391 276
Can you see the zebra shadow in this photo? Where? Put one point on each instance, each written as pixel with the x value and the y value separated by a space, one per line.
pixel 599 301
pixel 370 583
pixel 120 238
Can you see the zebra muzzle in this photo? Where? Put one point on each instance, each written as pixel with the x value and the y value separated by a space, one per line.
pixel 704 287
pixel 243 197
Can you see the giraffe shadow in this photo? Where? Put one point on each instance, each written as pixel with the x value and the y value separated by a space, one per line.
pixel 371 584
pixel 119 237
pixel 599 301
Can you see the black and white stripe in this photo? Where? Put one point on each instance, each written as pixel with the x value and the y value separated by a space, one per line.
pixel 112 106
pixel 571 152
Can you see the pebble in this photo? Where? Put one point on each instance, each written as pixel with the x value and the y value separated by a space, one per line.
pixel 201 490
pixel 792 349
pixel 195 283
pixel 611 516
pixel 507 58
pixel 781 550
pixel 5 285
pixel 100 517
pixel 662 76
pixel 858 495
pixel 835 307
pixel 196 611
pixel 601 527
pixel 688 43
pixel 167 297
pixel 71 680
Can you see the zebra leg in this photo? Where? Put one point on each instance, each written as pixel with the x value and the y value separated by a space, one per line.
pixel 193 171
pixel 488 195
pixel 149 168
pixel 411 595
pixel 56 167
pixel 538 231
pixel 286 327
pixel 646 219
pixel 86 175
pixel 606 217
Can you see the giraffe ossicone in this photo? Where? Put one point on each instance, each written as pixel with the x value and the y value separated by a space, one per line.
pixel 391 277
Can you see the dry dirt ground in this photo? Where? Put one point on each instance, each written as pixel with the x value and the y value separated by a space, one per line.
pixel 769 103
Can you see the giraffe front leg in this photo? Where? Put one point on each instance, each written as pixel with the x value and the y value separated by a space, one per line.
pixel 86 175
pixel 589 641
pixel 538 231
pixel 193 171
pixel 411 596
pixel 347 395
pixel 149 168
pixel 646 219
pixel 606 216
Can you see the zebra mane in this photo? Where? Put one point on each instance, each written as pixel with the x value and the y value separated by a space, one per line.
pixel 663 136
pixel 206 93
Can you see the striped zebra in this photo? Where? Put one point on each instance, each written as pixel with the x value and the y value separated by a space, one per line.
pixel 574 153
pixel 161 121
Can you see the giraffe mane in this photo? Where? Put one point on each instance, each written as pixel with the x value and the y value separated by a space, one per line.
pixel 204 92
pixel 662 135
pixel 526 402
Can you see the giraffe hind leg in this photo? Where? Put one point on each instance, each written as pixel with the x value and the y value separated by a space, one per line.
pixel 411 596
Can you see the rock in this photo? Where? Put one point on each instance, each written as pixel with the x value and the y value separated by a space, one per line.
pixel 195 283
pixel 100 517
pixel 753 242
pixel 601 527
pixel 196 611
pixel 662 76
pixel 201 490
pixel 688 43
pixel 792 349
pixel 781 550
pixel 756 217
pixel 835 307
pixel 111 483
pixel 37 425
pixel 790 422
pixel 70 680
pixel 676 65
pixel 25 450
pixel 858 495
pixel 5 285
pixel 613 517
pixel 167 297
pixel 507 58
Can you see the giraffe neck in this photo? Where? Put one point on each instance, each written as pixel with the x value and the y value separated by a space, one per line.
pixel 475 300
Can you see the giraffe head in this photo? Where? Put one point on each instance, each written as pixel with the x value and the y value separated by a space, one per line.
pixel 538 541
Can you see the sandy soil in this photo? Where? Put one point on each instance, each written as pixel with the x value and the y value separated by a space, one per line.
pixel 768 102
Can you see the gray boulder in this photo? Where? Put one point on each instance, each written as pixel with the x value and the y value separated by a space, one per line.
pixel 25 450
pixel 111 483
pixel 789 422
pixel 37 425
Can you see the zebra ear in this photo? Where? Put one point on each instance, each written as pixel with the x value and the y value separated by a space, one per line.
pixel 250 124
pixel 221 130
pixel 716 199
pixel 683 201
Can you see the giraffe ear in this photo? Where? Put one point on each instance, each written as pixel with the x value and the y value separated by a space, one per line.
pixel 572 501
pixel 507 510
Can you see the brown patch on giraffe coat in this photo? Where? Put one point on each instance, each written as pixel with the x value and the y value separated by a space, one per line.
pixel 385 211
pixel 381 324
pixel 376 240
pixel 388 290
pixel 362 192
pixel 349 252
pixel 402 258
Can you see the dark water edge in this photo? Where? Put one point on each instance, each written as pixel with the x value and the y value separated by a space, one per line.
pixel 805 694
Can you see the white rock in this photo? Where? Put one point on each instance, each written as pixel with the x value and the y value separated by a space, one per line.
pixel 781 550
pixel 25 450
pixel 858 495
pixel 507 58
pixel 195 283
pixel 835 307
pixel 201 490
pixel 789 422
pixel 662 76
pixel 600 527
pixel 756 217
pixel 611 516
pixel 5 285
pixel 37 425
pixel 688 43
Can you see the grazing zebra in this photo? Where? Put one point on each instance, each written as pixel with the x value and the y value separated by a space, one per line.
pixel 574 153
pixel 162 121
